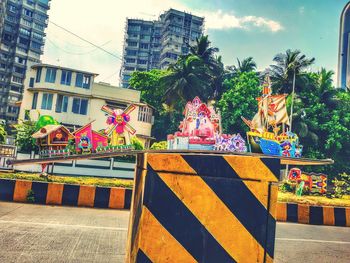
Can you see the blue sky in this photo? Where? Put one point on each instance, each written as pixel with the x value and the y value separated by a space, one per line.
pixel 239 28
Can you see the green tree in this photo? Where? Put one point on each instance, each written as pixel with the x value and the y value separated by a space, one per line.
pixel 322 121
pixel 282 73
pixel 24 140
pixel 246 65
pixel 166 120
pixel 3 133
pixel 239 100
pixel 187 78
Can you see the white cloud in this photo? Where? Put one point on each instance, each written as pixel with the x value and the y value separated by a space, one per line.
pixel 103 23
pixel 221 20
pixel 302 10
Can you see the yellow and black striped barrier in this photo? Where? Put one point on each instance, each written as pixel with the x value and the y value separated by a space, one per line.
pixel 203 208
pixel 313 215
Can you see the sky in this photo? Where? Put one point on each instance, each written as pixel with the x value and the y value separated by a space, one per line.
pixel 239 28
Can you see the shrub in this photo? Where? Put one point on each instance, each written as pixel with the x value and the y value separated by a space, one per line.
pixel 341 186
pixel 162 145
pixel 30 196
pixel 287 187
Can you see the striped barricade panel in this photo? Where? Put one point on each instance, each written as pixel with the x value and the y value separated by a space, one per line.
pixel 203 208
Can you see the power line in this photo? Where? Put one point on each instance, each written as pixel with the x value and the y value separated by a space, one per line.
pixel 99 47
pixel 74 53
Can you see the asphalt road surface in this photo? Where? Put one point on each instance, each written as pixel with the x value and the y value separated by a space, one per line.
pixel 34 233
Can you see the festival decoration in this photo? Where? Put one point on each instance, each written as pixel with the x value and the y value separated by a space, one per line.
pixel 201 130
pixel 87 140
pixel 45 120
pixel 312 182
pixel 269 132
pixel 119 127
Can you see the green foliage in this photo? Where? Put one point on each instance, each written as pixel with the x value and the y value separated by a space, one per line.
pixel 239 100
pixel 45 120
pixel 24 140
pixel 341 186
pixel 162 145
pixel 137 144
pixel 287 187
pixel 30 196
pixel 3 133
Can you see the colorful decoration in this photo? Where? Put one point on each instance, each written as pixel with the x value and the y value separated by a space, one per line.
pixel 314 183
pixel 269 132
pixel 87 140
pixel 45 120
pixel 200 130
pixel 119 127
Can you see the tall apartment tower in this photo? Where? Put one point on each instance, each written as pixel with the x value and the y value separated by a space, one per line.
pixel 22 25
pixel 156 44
pixel 344 48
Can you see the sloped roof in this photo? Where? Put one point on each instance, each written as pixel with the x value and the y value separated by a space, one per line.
pixel 46 130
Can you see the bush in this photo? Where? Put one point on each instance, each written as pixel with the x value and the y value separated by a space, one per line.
pixel 287 187
pixel 137 144
pixel 341 186
pixel 162 145
pixel 30 196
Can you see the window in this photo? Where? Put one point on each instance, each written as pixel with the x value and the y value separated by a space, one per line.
pixel 142 61
pixel 31 82
pixel 37 36
pixel 80 106
pixel 36 45
pixel 20 60
pixel 46 103
pixel 145 114
pixel 27 12
pixel 24 32
pixel 131 52
pixel 17 79
pixel 144 46
pixel 12 8
pixel 35 100
pixel 132 44
pixel 50 75
pixel 38 26
pixel 82 81
pixel 130 68
pixel 130 60
pixel 38 75
pixel 66 77
pixel 61 103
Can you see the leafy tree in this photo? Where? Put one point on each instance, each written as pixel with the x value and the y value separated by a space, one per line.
pixel 282 73
pixel 322 121
pixel 3 133
pixel 166 120
pixel 187 78
pixel 239 100
pixel 24 139
pixel 246 65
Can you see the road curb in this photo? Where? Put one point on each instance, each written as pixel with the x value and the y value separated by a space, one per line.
pixel 313 215
pixel 65 194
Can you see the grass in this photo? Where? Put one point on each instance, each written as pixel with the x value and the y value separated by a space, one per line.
pixel 314 200
pixel 81 180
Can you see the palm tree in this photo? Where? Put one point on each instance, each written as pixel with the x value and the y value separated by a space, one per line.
pixel 246 65
pixel 287 64
pixel 3 133
pixel 205 52
pixel 187 78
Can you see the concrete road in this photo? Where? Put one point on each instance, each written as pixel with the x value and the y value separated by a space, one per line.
pixel 34 233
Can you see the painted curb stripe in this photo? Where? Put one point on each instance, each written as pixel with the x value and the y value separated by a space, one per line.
pixel 54 194
pixel 292 213
pixel 200 199
pixel 21 190
pixel 40 192
pixel 127 198
pixel 70 195
pixel 116 198
pixel 180 222
pixel 316 215
pixel 303 214
pixel 7 188
pixel 86 195
pixel 339 216
pixel 328 216
pixel 102 197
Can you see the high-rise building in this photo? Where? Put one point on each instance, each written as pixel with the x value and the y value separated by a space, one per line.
pixel 22 37
pixel 344 48
pixel 156 44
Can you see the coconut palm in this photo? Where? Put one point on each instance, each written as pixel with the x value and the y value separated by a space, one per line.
pixel 288 63
pixel 187 78
pixel 205 52
pixel 246 65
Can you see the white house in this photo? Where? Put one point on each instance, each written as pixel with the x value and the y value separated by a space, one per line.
pixel 73 98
